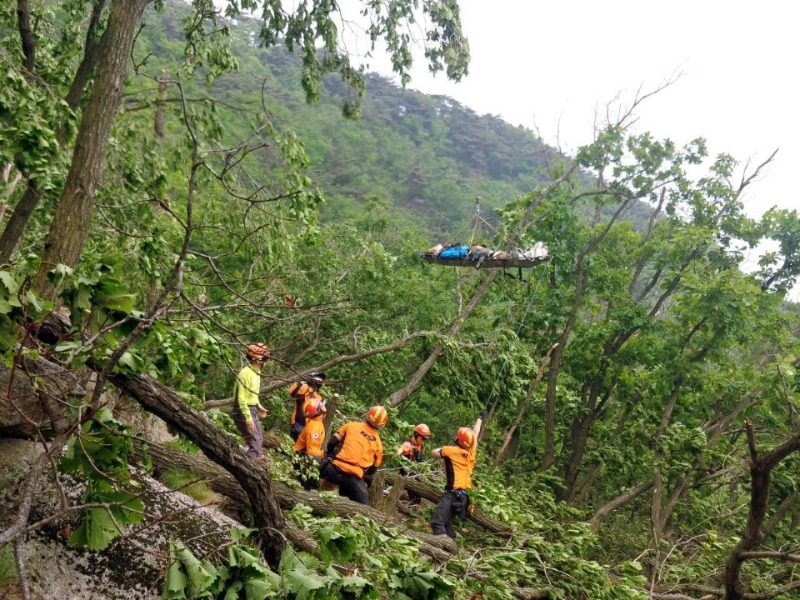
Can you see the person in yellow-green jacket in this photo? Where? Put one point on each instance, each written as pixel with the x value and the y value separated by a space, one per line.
pixel 247 409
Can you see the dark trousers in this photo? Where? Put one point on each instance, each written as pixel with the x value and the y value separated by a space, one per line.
pixel 255 439
pixel 451 505
pixel 350 486
pixel 296 430
pixel 307 468
pixel 413 497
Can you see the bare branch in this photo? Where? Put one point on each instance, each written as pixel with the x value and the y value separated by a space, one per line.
pixel 795 558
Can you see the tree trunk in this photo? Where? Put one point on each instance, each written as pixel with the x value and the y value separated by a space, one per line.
pixel 659 515
pixel 759 496
pixel 415 380
pixel 220 448
pixel 549 456
pixel 619 501
pixel 576 445
pixel 70 225
pixel 437 547
pixel 760 472
pixel 523 407
pixel 12 235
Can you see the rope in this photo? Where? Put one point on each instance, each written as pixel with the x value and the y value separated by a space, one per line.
pixel 475 220
pixel 521 323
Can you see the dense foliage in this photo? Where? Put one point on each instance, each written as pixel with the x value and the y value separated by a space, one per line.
pixel 232 210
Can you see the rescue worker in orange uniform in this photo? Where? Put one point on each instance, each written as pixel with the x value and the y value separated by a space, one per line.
pixel 459 460
pixel 360 455
pixel 308 448
pixel 414 448
pixel 414 451
pixel 302 392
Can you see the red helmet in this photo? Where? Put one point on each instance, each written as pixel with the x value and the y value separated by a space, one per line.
pixel 378 417
pixel 313 407
pixel 257 351
pixel 465 438
pixel 423 431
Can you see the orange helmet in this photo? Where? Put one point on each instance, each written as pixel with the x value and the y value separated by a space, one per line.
pixel 313 407
pixel 378 417
pixel 257 351
pixel 423 431
pixel 465 438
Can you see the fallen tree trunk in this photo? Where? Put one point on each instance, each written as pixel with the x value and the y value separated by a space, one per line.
pixel 434 495
pixel 220 448
pixel 438 547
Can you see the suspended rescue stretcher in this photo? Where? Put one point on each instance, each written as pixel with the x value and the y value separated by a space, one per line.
pixel 478 256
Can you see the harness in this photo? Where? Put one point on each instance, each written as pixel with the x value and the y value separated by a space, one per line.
pixel 461 502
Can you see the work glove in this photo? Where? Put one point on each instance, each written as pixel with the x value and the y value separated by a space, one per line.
pixel 482 415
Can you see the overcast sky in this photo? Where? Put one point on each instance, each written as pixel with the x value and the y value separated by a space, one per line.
pixel 549 64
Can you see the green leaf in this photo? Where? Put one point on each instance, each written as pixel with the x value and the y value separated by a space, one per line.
pixel 59 274
pixel 8 281
pixel 96 531
pixel 354 587
pixel 261 588
pixel 114 296
pixel 176 579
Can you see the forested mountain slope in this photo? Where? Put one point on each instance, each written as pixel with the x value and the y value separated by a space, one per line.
pixel 161 213
pixel 428 155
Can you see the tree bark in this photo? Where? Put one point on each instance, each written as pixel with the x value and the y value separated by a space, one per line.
pixel 220 448
pixel 70 225
pixel 760 472
pixel 523 407
pixel 12 234
pixel 437 547
pixel 619 501
pixel 26 34
pixel 415 380
pixel 549 455
pixel 15 227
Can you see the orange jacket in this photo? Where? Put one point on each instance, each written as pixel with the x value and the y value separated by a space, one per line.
pixel 311 437
pixel 302 393
pixel 458 465
pixel 407 449
pixel 361 448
